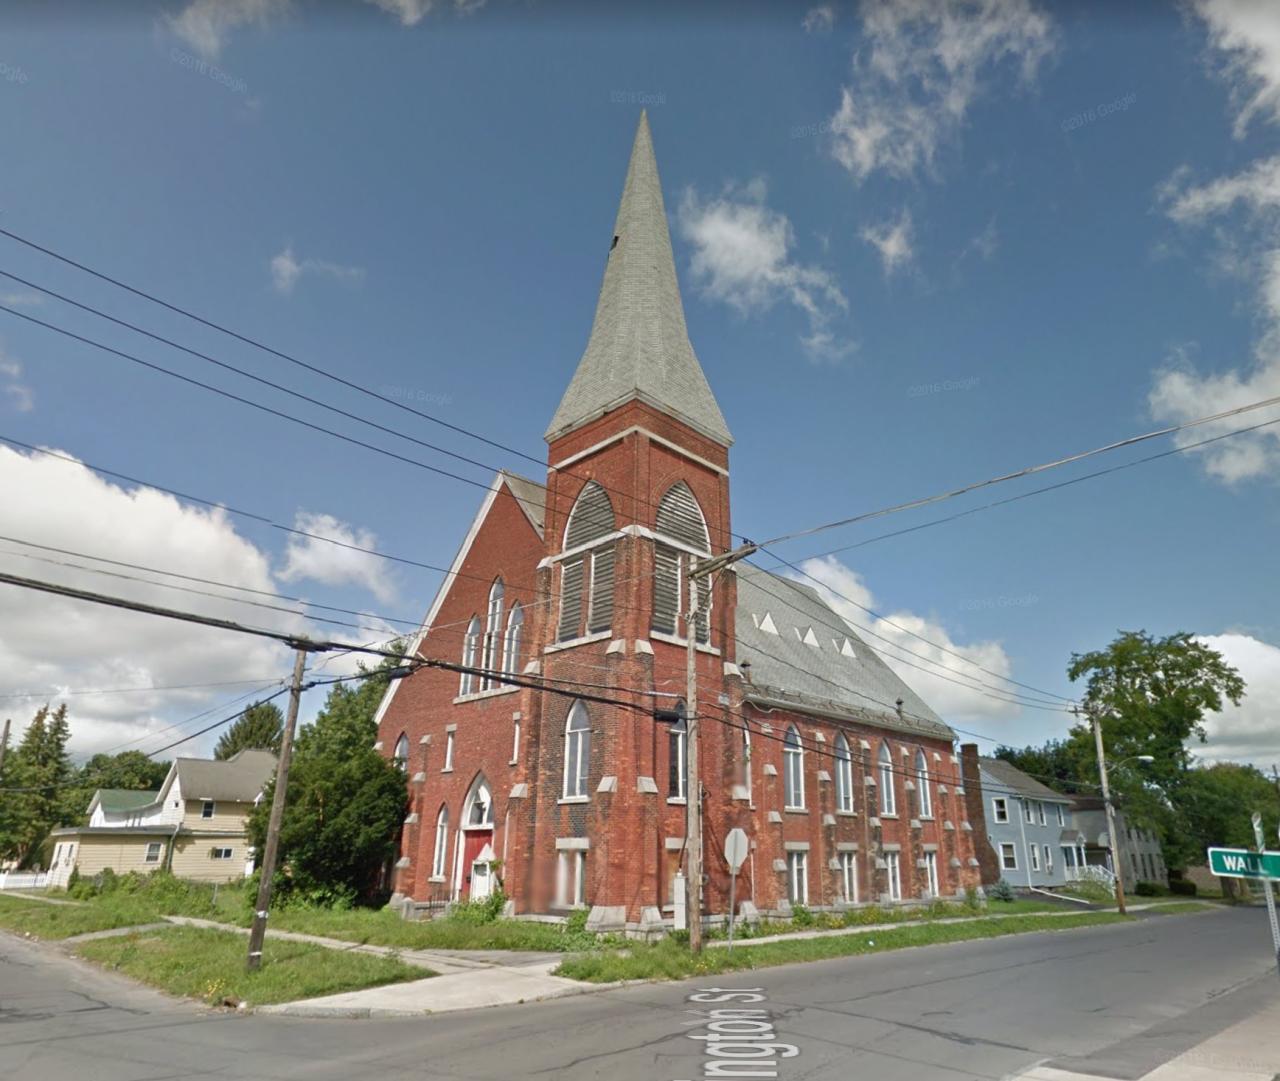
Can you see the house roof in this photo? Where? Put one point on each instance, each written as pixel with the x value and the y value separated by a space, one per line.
pixel 639 345
pixel 802 653
pixel 120 800
pixel 531 496
pixel 239 779
pixel 1009 776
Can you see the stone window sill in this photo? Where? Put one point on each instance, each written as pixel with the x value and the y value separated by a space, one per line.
pixel 492 692
pixel 574 799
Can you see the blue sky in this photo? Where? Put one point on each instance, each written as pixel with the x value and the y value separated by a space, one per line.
pixel 900 274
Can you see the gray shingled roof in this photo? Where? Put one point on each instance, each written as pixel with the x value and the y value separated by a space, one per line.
pixel 240 778
pixel 1010 777
pixel 821 677
pixel 639 345
pixel 531 496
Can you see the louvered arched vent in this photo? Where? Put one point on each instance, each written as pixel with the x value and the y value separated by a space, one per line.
pixel 586 580
pixel 680 518
pixel 591 517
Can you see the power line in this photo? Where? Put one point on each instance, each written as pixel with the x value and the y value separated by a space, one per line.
pixel 55 692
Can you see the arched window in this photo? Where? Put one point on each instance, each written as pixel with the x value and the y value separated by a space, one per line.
pixel 678 757
pixel 924 796
pixel 586 578
pixel 511 647
pixel 470 654
pixel 793 769
pixel 442 843
pixel 477 810
pixel 844 775
pixel 493 632
pixel 577 752
pixel 679 519
pixel 888 798
pixel 401 754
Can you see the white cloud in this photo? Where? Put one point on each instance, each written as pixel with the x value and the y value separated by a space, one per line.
pixel 1248 33
pixel 985 243
pixel 1249 732
pixel 918 71
pixel 287 269
pixel 205 25
pixel 893 240
pixel 308 558
pixel 949 700
pixel 742 256
pixel 819 20
pixel 14 390
pixel 409 12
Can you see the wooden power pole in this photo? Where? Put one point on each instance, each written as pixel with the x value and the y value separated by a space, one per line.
pixel 268 868
pixel 1111 812
pixel 693 793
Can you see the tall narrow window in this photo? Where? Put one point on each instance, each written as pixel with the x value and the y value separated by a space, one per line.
pixel 577 752
pixel 931 874
pixel 894 874
pixel 442 843
pixel 448 753
pixel 678 757
pixel 746 760
pixel 849 877
pixel 401 753
pixel 924 795
pixel 798 878
pixel 470 654
pixel 888 798
pixel 586 576
pixel 844 775
pixel 511 646
pixel 492 632
pixel 793 770
pixel 679 519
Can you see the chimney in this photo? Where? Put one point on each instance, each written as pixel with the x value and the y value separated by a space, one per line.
pixel 898 704
pixel 976 809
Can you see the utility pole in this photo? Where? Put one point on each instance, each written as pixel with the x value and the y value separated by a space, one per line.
pixel 1111 811
pixel 695 571
pixel 4 742
pixel 268 870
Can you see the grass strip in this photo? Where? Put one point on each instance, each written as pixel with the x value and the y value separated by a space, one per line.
pixel 669 960
pixel 195 962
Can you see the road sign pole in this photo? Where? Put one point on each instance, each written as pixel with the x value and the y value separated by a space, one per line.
pixel 735 852
pixel 733 893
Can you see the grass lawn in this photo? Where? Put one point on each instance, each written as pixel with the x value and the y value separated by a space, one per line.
pixel 210 966
pixel 669 960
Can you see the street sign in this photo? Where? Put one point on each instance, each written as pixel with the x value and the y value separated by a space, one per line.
pixel 1241 863
pixel 735 849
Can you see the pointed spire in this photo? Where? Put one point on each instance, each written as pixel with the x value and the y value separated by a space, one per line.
pixel 639 345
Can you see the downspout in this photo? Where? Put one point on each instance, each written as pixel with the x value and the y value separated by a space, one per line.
pixel 1022 828
pixel 173 838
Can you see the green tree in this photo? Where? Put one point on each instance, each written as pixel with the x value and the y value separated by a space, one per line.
pixel 258 728
pixel 1056 764
pixel 345 802
pixel 128 769
pixel 37 774
pixel 1215 805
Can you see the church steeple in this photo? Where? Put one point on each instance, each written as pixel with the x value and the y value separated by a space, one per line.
pixel 639 345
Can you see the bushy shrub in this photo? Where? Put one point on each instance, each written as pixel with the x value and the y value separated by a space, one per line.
pixel 484 911
pixel 576 924
pixel 1146 889
pixel 1002 891
pixel 801 916
pixel 972 902
pixel 1183 887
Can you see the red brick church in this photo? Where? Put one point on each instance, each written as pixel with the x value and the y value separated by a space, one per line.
pixel 570 793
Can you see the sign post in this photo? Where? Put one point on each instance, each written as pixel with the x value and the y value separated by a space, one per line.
pixel 1266 886
pixel 735 853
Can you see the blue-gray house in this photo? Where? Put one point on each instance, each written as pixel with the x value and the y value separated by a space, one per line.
pixel 1030 828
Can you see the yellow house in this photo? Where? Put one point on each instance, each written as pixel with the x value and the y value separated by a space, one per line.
pixel 193 826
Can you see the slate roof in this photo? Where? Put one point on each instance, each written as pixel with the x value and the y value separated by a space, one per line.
pixel 1009 776
pixel 239 779
pixel 821 677
pixel 119 800
pixel 639 345
pixel 531 496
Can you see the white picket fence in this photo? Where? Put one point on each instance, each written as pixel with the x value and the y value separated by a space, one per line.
pixel 23 880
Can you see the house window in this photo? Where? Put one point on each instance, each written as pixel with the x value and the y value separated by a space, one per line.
pixel 1035 857
pixel 1028 812
pixel 492 633
pixel 1048 859
pixel 571 878
pixel 448 753
pixel 844 775
pixel 924 798
pixel 220 854
pixel 470 654
pixel 153 852
pixel 893 873
pixel 401 754
pixel 515 741
pixel 589 575
pixel 207 809
pixel 1000 809
pixel 442 843
pixel 511 645
pixel 793 770
pixel 931 874
pixel 679 519
pixel 849 877
pixel 1062 821
pixel 577 752
pixel 678 757
pixel 1040 809
pixel 746 760
pixel 1008 856
pixel 798 878
pixel 888 798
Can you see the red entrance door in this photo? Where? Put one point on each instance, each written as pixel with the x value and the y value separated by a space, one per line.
pixel 476 840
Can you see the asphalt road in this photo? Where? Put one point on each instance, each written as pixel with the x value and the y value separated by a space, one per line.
pixel 1114 1000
